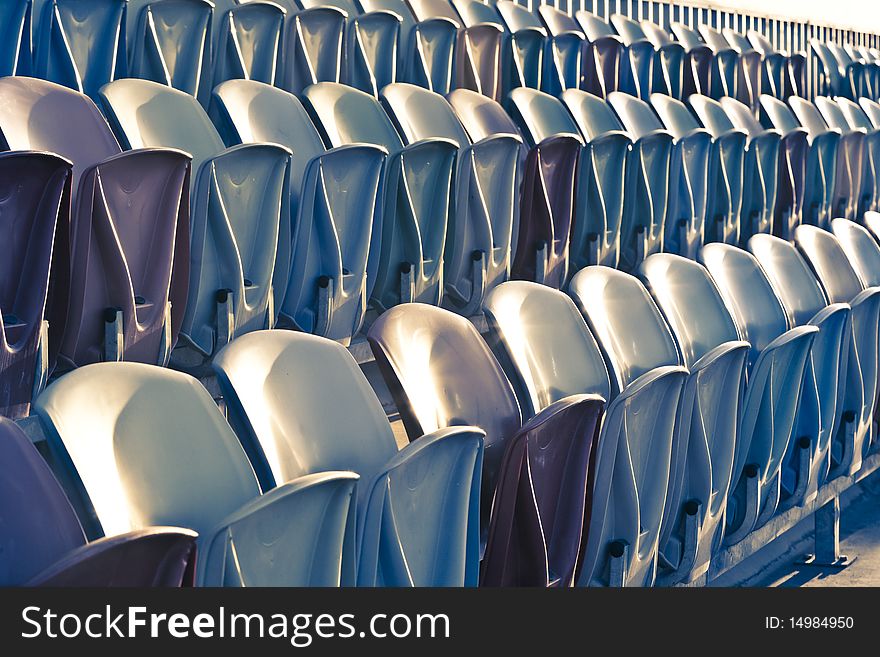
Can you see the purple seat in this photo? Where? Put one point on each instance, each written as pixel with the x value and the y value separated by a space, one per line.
pixel 535 474
pixel 128 256
pixel 35 193
pixel 43 544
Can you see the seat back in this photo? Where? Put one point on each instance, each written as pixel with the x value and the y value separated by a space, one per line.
pixel 861 248
pixel 737 40
pixel 540 115
pixel 711 114
pixel 808 115
pixel 741 116
pixel 826 256
pixel 480 116
pixel 855 116
pixel 635 114
pixel 832 113
pixel 594 117
pixel 760 43
pixel 779 114
pixel 16 19
pixel 249 39
pixel 688 36
pixel 675 115
pixel 314 47
pixel 39 525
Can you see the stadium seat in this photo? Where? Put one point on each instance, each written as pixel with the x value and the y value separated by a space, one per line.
pixel 668 67
pixel 249 39
pixel 629 59
pixel 239 249
pixel 849 116
pixel 486 194
pixel 117 430
pixel 16 50
pixel 841 78
pixel 871 68
pixel 128 253
pixel 783 73
pixel 407 263
pixel 528 46
pixel 566 51
pixel 760 166
pixel 791 167
pixel 35 188
pixel 821 161
pixel 692 304
pixel 688 171
pixel 417 509
pixel 696 67
pixel 772 64
pixel 823 397
pixel 314 47
pixel 722 78
pixel 532 509
pixel 841 284
pixel 648 378
pixel 645 186
pixel 43 543
pixel 334 203
pixel 747 68
pixel 80 43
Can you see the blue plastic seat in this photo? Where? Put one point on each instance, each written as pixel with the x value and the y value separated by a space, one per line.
pixel 692 304
pixel 688 174
pixel 823 399
pixel 722 58
pixel 477 57
pixel 758 312
pixel 16 49
pixel 535 471
pixel 417 509
pixel 841 284
pixel 821 161
pixel 528 45
pixel 486 195
pixel 608 64
pixel 645 185
pixel 858 119
pixel 696 66
pixel 771 64
pixel 871 68
pixel 240 235
pixel 841 78
pixel 43 542
pixel 407 262
pixel 760 167
pixel 740 67
pixel 335 201
pixel 701 432
pixel 248 42
pixel 314 46
pixel 123 271
pixel 117 428
pixel 81 43
pixel 566 52
pixel 668 66
pixel 791 166
pixel 782 73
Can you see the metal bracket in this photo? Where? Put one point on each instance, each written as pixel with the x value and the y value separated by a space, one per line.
pixel 592 248
pixel 618 563
pixel 682 227
pixel 41 370
pixel 770 495
pixel 541 262
pixel 826 521
pixel 804 449
pixel 848 431
pixel 324 311
pixel 479 265
pixel 225 318
pixel 165 341
pixel 270 308
pixel 641 244
pixel 692 514
pixel 753 498
pixel 407 283
pixel 114 338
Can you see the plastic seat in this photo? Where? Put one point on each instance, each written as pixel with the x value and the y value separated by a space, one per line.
pixel 649 378
pixel 761 318
pixel 861 72
pixel 722 79
pixel 547 192
pixel 688 171
pixel 417 509
pixel 117 428
pixel 128 253
pixel 239 205
pixel 841 79
pixel 334 202
pixel 477 58
pixel 407 261
pixel 823 397
pixel 647 173
pixel 746 69
pixel 821 161
pixel 35 188
pixel 668 68
pixel 692 304
pixel 772 64
pixel 532 509
pixel 760 170
pixel 791 166
pixel 782 73
pixel 249 38
pixel 608 64
pixel 426 47
pixel 696 60
pixel 16 47
pixel 80 43
pixel 871 68
pixel 43 543
pixel 314 47
pixel 486 194
pixel 566 52
pixel 842 285
pixel 724 189
pixel 856 119
pixel 850 154
pixel 528 45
